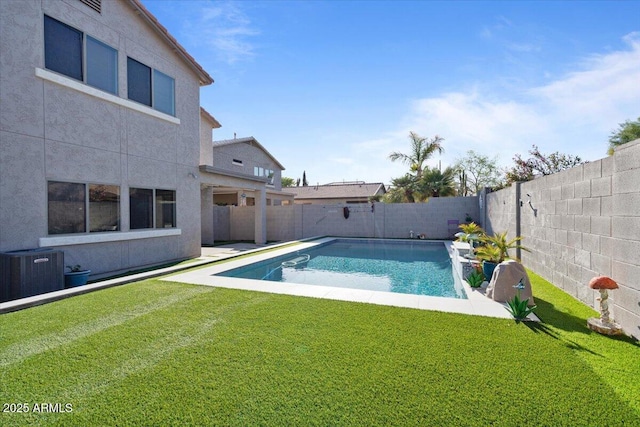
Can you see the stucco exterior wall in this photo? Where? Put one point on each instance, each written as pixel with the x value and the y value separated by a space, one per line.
pixel 51 130
pixel 586 223
pixel 251 156
pixel 206 141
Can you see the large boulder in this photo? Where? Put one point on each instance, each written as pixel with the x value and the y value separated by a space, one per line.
pixel 506 276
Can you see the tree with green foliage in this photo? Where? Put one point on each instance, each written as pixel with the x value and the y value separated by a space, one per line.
pixel 402 190
pixel 627 132
pixel 421 150
pixel 540 164
pixel 304 179
pixel 436 183
pixel 287 182
pixel 476 171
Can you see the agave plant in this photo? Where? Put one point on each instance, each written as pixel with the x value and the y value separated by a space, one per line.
pixel 475 279
pixel 519 308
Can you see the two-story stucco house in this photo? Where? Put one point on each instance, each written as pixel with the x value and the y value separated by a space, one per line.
pixel 239 172
pixel 99 134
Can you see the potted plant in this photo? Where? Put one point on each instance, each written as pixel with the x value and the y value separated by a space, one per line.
pixel 469 230
pixel 470 233
pixel 76 276
pixel 495 249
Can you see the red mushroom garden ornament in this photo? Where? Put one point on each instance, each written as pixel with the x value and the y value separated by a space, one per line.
pixel 603 325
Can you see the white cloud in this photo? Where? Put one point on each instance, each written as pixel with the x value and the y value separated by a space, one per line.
pixel 573 114
pixel 607 88
pixel 228 30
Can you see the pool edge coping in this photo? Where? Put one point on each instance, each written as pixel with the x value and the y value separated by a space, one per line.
pixel 475 303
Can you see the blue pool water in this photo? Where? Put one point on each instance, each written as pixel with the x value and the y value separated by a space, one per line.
pixel 420 268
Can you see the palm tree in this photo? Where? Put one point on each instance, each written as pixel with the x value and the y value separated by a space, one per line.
pixel 435 183
pixel 421 149
pixel 402 191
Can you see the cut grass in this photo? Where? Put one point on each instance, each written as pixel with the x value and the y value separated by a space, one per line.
pixel 160 353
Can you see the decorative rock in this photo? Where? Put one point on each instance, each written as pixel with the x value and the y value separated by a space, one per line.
pixel 506 276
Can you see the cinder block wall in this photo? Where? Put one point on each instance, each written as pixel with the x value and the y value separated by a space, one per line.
pixel 500 211
pixel 242 224
pixel 221 223
pixel 586 223
pixel 379 220
pixel 280 223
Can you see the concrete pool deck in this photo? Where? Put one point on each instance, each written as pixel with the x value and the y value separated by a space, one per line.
pixel 475 304
pixel 208 255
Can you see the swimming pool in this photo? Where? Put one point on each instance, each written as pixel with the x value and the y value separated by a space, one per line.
pixel 407 267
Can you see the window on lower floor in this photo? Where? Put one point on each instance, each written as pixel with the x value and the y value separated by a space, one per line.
pixel 71 206
pixel 104 208
pixel 165 209
pixel 147 204
pixel 66 208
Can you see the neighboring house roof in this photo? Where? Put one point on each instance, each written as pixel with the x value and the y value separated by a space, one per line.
pixel 216 124
pixel 205 78
pixel 247 140
pixel 338 191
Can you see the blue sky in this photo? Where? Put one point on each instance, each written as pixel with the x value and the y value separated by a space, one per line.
pixel 332 87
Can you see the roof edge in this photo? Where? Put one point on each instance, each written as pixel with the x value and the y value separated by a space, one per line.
pixel 205 78
pixel 216 123
pixel 245 140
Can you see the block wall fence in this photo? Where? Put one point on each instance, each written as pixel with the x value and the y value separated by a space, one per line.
pixel 377 220
pixel 581 223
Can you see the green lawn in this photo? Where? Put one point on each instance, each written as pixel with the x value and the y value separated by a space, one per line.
pixel 158 353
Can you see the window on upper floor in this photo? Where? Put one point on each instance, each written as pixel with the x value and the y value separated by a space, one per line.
pixel 71 206
pixel 144 213
pixel 262 172
pixel 71 52
pixel 150 87
pixel 164 93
